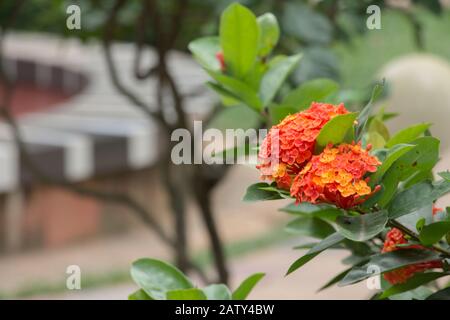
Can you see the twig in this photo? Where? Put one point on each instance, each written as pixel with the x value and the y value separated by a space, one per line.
pixel 395 224
pixel 107 37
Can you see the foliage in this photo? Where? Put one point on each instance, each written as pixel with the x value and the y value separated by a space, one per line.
pixel 158 280
pixel 395 192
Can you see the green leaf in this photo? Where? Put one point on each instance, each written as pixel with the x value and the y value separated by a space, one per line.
pixel 376 140
pixel 335 130
pixel 247 286
pixel 156 277
pixel 376 125
pixel 443 294
pixel 391 156
pixel 335 279
pixel 417 197
pixel 275 76
pixel 367 110
pixel 238 88
pixel 417 161
pixel 322 211
pixel 239 35
pixel 236 117
pixel 255 193
pixel 408 134
pixel 434 232
pixel 317 90
pixel 269 33
pixel 273 188
pixel 445 175
pixel 311 227
pixel 420 224
pixel 204 51
pixel 412 283
pixel 227 97
pixel 362 227
pixel 326 243
pixel 186 294
pixel 304 23
pixel 217 292
pixel 422 158
pixel 279 112
pixel 387 262
pixel 139 295
pixel 317 62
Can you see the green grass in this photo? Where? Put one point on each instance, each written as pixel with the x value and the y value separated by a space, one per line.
pixel 203 259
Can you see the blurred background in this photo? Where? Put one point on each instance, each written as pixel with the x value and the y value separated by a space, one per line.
pixel 88 107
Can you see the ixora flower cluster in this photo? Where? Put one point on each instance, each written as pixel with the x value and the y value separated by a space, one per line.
pixel 394 238
pixel 336 175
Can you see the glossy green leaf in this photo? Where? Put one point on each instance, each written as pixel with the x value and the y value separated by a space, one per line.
pixel 445 175
pixel 391 156
pixel 238 88
pixel 335 279
pixel 235 117
pixel 227 97
pixel 269 33
pixel 317 90
pixel 420 224
pixel 416 197
pixel 376 125
pixel 247 286
pixel 415 162
pixel 326 243
pixel 217 292
pixel 376 140
pixel 335 130
pixel 443 294
pixel 204 51
pixel 279 112
pixel 364 115
pixel 139 295
pixel 275 77
pixel 387 262
pixel 422 158
pixel 311 227
pixel 432 233
pixel 362 227
pixel 239 36
pixel 419 293
pixel 306 24
pixel 412 283
pixel 321 211
pixel 408 134
pixel 156 277
pixel 186 294
pixel 255 193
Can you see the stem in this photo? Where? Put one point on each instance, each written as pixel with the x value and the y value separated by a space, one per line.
pixel 216 243
pixel 395 224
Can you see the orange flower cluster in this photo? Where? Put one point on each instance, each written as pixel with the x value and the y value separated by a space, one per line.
pixel 336 176
pixel 290 144
pixel 393 238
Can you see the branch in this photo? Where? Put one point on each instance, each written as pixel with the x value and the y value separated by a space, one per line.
pixel 110 27
pixel 395 224
pixel 139 40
